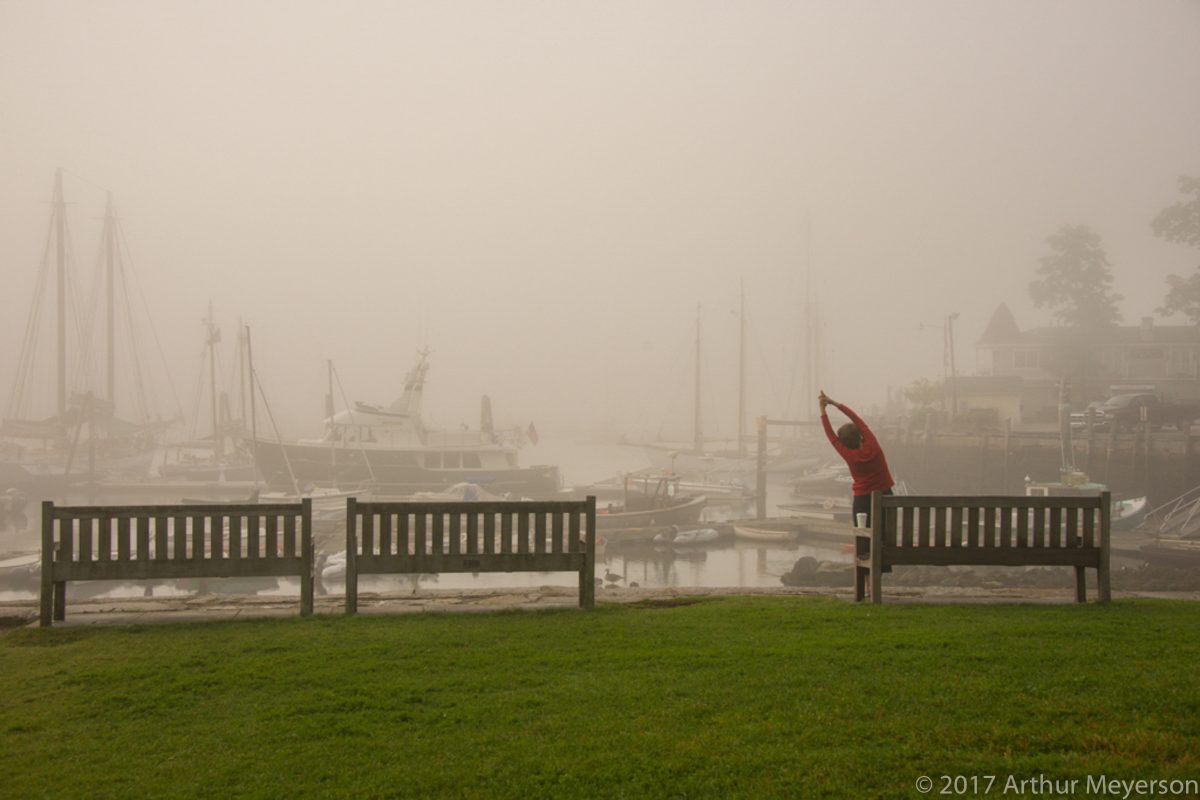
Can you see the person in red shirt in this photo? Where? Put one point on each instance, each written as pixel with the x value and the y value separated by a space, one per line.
pixel 860 449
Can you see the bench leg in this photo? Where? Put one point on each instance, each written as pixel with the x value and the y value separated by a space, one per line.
pixel 306 595
pixel 587 589
pixel 47 605
pixel 351 587
pixel 860 583
pixel 1080 585
pixel 307 579
pixel 60 600
pixel 1102 584
pixel 876 584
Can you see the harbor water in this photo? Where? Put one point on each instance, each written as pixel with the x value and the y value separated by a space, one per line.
pixel 721 564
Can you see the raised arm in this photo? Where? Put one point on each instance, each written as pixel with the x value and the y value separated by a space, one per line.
pixel 829 434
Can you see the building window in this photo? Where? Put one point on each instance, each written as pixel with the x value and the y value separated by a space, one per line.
pixel 1026 359
pixel 1183 363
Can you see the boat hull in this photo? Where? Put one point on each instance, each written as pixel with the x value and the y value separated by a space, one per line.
pixel 391 472
pixel 211 473
pixel 751 533
pixel 686 513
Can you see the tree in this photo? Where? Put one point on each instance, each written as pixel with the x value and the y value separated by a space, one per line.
pixel 1181 223
pixel 1075 280
pixel 923 393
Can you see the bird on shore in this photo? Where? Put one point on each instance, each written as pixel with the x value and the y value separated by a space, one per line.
pixel 612 577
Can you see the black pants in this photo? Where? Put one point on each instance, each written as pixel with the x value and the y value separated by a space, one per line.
pixel 862 505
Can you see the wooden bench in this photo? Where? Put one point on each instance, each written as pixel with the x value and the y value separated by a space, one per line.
pixel 415 537
pixel 983 531
pixel 130 543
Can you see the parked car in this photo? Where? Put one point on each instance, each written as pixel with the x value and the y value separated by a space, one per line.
pixel 1079 418
pixel 1125 411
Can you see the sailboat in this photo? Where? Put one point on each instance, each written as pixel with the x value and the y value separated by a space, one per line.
pixel 723 464
pixel 223 456
pixel 51 449
pixel 393 451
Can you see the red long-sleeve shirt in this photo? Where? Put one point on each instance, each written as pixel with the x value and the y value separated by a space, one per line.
pixel 867 464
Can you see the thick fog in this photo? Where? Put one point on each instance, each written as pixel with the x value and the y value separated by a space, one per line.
pixel 543 192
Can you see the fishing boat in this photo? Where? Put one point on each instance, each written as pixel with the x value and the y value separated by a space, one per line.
pixel 1125 514
pixel 729 492
pixel 650 506
pixel 392 450
pixel 463 493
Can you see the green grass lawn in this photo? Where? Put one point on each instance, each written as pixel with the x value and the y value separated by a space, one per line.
pixel 729 697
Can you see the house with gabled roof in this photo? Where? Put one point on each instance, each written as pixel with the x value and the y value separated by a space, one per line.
pixel 1018 371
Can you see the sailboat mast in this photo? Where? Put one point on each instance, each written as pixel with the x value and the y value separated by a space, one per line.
pixel 810 327
pixel 242 373
pixel 697 433
pixel 218 450
pixel 110 284
pixel 741 421
pixel 60 242
pixel 332 429
pixel 253 421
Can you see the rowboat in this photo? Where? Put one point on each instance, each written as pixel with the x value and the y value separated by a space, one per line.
pixel 766 532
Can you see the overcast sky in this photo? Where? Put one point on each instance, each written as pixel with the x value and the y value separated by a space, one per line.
pixel 543 192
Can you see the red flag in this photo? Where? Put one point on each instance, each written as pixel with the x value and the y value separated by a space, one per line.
pixel 531 434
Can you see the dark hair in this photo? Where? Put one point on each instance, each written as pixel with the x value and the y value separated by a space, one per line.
pixel 850 435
